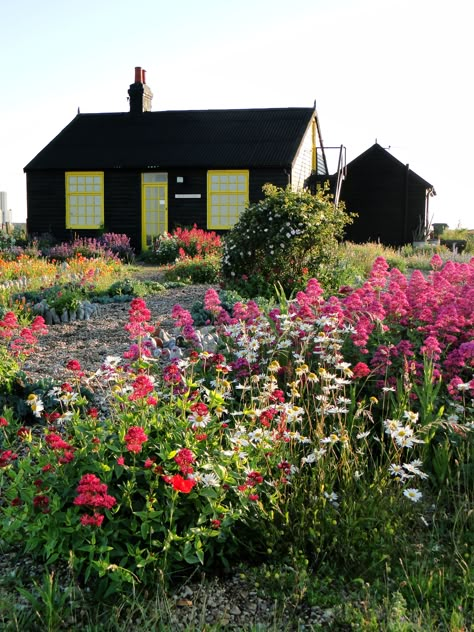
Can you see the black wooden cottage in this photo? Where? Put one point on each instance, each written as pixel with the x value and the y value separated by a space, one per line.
pixel 143 173
pixel 390 199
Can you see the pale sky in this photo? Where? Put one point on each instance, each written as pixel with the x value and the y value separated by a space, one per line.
pixel 399 71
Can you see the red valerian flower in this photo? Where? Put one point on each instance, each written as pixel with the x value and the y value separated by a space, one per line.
pixel 181 484
pixel 7 457
pixel 93 412
pixel 253 497
pixel 142 386
pixel 92 521
pixel 120 460
pixel 215 524
pixel 3 421
pixel 254 478
pixel 184 458
pixel 41 501
pixel 360 370
pixel 74 365
pixel 92 493
pixel 56 442
pixel 134 439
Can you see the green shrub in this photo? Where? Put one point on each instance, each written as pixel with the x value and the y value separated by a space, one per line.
pixel 282 238
pixel 196 270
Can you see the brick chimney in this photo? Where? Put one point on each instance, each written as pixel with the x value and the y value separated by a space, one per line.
pixel 139 93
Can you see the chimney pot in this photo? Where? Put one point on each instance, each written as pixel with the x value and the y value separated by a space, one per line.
pixel 138 74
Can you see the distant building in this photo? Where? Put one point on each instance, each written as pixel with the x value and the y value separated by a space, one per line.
pixel 5 213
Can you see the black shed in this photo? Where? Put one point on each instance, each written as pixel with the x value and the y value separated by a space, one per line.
pixel 143 173
pixel 390 199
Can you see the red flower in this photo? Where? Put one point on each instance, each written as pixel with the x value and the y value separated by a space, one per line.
pixel 74 365
pixel 92 521
pixel 3 421
pixel 142 386
pixel 253 497
pixel 181 484
pixel 254 478
pixel 360 370
pixel 134 439
pixel 7 457
pixel 120 460
pixel 41 502
pixel 92 493
pixel 215 524
pixel 93 412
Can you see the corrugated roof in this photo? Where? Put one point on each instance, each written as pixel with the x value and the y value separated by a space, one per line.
pixel 187 138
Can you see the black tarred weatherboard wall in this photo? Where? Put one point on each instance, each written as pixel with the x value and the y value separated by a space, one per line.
pixel 46 193
pixel 388 196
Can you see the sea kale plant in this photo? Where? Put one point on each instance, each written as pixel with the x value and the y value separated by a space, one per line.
pixel 309 426
pixel 282 239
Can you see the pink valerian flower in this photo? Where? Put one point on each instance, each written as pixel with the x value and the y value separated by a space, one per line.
pixel 138 350
pixel 134 439
pixel 379 274
pixel 436 262
pixel 172 374
pixel 431 348
pixel 8 325
pixel 212 302
pixel 142 386
pixel 181 316
pixel 139 316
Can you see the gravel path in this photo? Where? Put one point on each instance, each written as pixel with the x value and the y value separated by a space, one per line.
pixel 90 341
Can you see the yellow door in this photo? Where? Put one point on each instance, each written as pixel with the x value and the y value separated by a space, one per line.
pixel 154 207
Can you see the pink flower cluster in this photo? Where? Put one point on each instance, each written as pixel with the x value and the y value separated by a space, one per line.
pixel 22 340
pixel 135 438
pixel 91 493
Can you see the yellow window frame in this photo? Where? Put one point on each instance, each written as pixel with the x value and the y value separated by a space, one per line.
pixel 226 173
pixel 78 190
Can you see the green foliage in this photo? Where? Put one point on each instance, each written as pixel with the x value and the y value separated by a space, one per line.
pixel 282 238
pixel 196 270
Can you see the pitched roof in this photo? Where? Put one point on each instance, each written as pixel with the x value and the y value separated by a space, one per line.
pixel 181 138
pixel 380 153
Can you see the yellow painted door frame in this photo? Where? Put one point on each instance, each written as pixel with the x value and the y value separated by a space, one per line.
pixel 154 211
